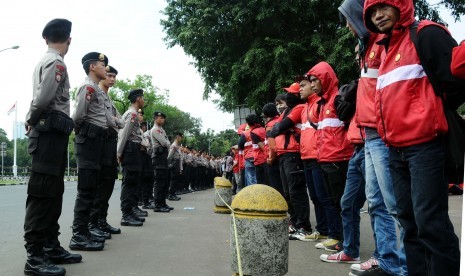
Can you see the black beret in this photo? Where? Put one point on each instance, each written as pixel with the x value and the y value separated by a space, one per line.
pixel 94 56
pixel 135 93
pixel 158 114
pixel 58 28
pixel 111 69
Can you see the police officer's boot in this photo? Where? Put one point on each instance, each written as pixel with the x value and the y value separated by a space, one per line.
pixel 139 212
pixel 95 231
pixel 58 255
pixel 129 220
pixel 38 263
pixel 83 240
pixel 105 227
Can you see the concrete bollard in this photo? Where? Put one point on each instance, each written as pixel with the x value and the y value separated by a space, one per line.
pixel 262 229
pixel 223 186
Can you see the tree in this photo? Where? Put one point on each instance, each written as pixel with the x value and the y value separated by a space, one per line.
pixel 247 50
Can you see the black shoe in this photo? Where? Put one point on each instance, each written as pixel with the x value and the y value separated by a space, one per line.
pixel 136 217
pixel 148 206
pixel 140 212
pixel 128 220
pixel 105 227
pixel 38 263
pixel 169 207
pixel 174 198
pixel 83 240
pixel 161 209
pixel 97 232
pixel 59 255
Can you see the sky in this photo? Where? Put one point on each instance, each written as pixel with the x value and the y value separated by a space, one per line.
pixel 128 32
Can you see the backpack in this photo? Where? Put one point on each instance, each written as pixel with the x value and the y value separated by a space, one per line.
pixel 454 142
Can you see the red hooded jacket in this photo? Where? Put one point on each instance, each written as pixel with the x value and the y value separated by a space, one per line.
pixel 332 143
pixel 308 135
pixel 408 112
pixel 458 61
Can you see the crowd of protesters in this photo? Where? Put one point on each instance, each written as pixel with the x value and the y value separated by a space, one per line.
pixel 379 139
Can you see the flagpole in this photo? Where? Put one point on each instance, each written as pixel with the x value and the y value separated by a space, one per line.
pixel 15 168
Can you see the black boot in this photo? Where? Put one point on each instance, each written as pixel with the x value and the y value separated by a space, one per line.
pixel 129 220
pixel 105 227
pixel 83 240
pixel 174 198
pixel 139 212
pixel 148 205
pixel 58 255
pixel 97 232
pixel 38 263
pixel 137 217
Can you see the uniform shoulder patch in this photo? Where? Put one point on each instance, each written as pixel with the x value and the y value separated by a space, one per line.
pixel 90 91
pixel 133 117
pixel 59 71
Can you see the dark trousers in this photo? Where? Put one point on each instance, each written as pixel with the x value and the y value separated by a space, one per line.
pixel 160 187
pixel 45 186
pixel 175 179
pixel 292 177
pixel 431 246
pixel 318 195
pixel 260 174
pixel 129 185
pixel 274 178
pixel 42 214
pixel 86 192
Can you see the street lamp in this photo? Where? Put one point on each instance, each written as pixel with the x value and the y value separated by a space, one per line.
pixel 12 47
pixel 3 151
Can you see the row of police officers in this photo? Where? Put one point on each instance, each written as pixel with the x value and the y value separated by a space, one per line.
pixel 103 139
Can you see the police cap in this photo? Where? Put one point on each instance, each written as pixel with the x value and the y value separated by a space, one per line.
pixel 159 114
pixel 58 30
pixel 111 69
pixel 135 93
pixel 94 56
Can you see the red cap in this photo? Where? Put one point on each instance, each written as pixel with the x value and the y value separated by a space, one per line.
pixel 294 88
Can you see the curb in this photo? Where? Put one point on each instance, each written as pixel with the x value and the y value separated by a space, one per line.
pixel 12 184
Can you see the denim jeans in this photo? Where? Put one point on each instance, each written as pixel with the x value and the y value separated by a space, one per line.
pixel 315 182
pixel 421 191
pixel 382 208
pixel 250 176
pixel 292 176
pixel 352 201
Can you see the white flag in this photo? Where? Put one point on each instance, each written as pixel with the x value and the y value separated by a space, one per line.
pixel 12 109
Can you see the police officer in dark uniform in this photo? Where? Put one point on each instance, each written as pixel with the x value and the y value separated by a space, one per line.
pixel 160 144
pixel 130 157
pixel 48 127
pixel 90 123
pixel 109 172
pixel 148 177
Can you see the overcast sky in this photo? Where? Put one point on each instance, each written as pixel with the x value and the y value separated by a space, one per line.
pixel 128 32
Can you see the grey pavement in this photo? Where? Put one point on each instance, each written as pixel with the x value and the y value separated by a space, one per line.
pixel 181 243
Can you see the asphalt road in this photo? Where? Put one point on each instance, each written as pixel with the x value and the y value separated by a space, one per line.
pixel 181 243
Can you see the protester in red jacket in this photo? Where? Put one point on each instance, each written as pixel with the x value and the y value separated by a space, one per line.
pixel 411 121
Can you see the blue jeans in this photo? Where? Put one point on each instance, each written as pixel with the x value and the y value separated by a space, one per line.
pixel 382 208
pixel 314 178
pixel 352 201
pixel 421 191
pixel 250 176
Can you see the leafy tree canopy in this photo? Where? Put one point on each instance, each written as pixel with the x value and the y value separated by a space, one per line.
pixel 247 50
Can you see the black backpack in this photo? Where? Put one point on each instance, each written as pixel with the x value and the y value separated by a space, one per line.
pixel 454 142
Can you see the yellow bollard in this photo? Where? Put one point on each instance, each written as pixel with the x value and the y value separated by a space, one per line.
pixel 223 186
pixel 262 232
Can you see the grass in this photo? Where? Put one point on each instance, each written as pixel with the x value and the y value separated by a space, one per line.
pixel 10 181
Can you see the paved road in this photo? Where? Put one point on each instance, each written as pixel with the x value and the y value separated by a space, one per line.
pixel 181 243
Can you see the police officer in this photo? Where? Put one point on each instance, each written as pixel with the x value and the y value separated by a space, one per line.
pixel 175 165
pixel 109 172
pixel 148 176
pixel 160 145
pixel 48 142
pixel 130 157
pixel 90 123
